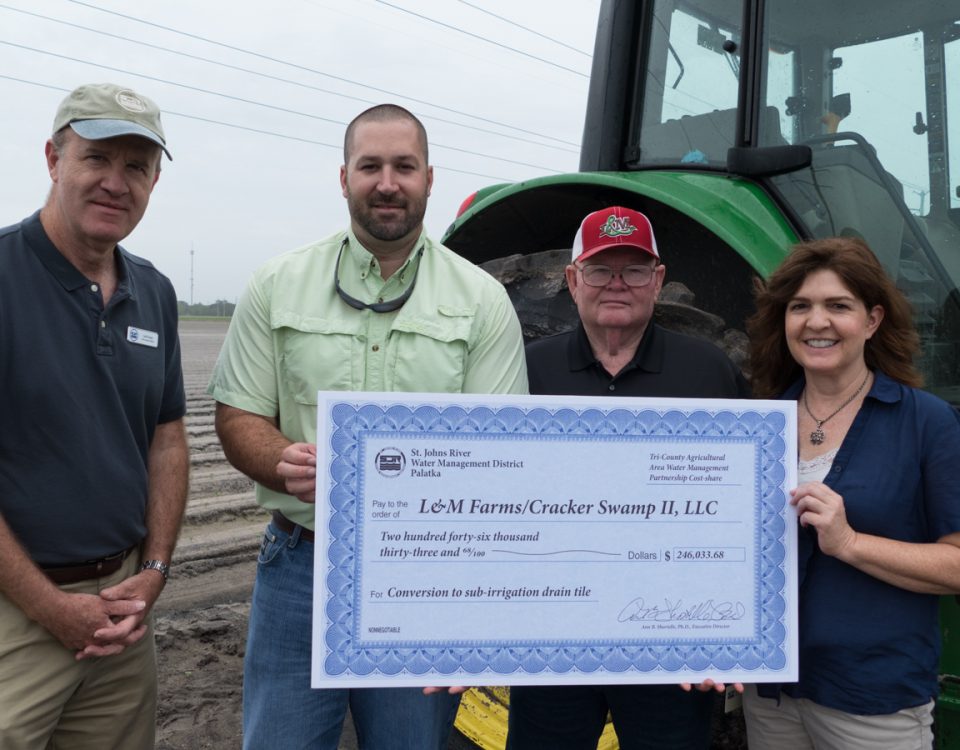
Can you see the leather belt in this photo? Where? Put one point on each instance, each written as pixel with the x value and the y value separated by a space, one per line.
pixel 85 571
pixel 288 527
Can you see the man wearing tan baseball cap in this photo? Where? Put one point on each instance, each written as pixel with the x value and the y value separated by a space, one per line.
pixel 93 452
pixel 105 110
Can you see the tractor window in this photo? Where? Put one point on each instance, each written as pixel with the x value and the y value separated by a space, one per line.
pixel 781 85
pixel 886 87
pixel 952 89
pixel 874 88
pixel 690 93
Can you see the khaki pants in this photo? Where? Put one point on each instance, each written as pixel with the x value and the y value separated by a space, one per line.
pixel 51 701
pixel 800 724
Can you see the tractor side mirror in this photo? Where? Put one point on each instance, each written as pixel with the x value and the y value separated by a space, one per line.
pixel 768 161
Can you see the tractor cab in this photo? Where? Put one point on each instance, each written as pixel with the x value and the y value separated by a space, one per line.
pixel 742 126
pixel 844 112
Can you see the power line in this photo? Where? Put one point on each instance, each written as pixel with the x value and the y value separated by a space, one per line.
pixel 187 86
pixel 253 102
pixel 35 83
pixel 336 147
pixel 315 71
pixel 478 36
pixel 525 28
pixel 268 76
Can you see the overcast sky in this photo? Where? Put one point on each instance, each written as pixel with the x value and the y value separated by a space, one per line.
pixel 255 97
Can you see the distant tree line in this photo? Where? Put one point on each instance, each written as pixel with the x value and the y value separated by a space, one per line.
pixel 219 309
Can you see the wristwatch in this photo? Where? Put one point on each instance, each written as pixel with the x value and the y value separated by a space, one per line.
pixel 158 565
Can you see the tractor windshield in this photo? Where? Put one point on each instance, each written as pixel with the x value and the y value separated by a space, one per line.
pixel 692 82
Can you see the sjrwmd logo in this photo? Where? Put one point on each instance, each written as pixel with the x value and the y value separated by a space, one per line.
pixel 390 462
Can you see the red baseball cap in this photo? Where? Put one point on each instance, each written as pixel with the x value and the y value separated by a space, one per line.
pixel 614 227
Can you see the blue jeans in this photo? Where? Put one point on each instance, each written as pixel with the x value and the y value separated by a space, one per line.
pixel 645 717
pixel 280 710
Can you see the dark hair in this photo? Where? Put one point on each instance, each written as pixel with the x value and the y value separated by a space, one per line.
pixel 384 113
pixel 891 349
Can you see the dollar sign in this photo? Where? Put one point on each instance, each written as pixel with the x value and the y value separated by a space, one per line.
pixel 666 555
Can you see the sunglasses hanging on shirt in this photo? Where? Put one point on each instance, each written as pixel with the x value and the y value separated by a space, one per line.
pixel 378 307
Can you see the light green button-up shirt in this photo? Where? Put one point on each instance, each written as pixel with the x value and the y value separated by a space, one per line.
pixel 291 335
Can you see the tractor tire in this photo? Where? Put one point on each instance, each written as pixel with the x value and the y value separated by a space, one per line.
pixel 538 289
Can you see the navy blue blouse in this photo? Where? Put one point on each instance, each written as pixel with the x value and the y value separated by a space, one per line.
pixel 867 647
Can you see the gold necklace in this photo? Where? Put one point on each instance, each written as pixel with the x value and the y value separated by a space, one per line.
pixel 817 436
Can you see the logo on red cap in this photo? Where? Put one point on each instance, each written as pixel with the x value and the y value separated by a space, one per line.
pixel 613 227
pixel 617 226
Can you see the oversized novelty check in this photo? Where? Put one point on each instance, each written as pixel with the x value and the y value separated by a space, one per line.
pixel 516 540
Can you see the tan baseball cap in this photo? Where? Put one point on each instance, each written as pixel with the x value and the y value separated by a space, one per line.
pixel 104 110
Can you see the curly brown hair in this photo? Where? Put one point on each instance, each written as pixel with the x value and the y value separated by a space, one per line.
pixel 891 349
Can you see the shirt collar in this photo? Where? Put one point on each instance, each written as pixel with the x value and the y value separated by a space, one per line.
pixel 648 357
pixel 53 260
pixel 884 389
pixel 366 262
pixel 67 274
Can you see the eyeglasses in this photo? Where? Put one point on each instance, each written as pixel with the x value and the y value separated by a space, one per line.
pixel 633 276
pixel 378 307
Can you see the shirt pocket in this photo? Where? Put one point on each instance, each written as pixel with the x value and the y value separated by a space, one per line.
pixel 429 355
pixel 315 354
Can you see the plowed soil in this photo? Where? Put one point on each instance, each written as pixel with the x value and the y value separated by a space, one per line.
pixel 201 618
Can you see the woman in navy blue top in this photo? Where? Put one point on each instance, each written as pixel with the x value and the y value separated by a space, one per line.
pixel 878 504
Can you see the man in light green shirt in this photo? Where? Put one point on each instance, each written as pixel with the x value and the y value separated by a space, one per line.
pixel 380 307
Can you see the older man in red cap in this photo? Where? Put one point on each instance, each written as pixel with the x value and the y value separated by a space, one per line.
pixel 615 277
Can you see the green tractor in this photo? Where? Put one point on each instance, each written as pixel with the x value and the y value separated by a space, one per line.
pixel 740 127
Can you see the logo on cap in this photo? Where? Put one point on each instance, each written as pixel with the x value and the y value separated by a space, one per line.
pixel 617 227
pixel 130 101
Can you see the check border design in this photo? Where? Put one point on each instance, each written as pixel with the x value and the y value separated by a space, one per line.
pixel 347 654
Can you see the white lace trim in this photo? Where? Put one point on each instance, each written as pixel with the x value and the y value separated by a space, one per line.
pixel 817 467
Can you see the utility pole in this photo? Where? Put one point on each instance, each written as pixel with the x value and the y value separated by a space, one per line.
pixel 191 272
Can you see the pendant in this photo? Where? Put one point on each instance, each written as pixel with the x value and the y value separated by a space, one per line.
pixel 817 436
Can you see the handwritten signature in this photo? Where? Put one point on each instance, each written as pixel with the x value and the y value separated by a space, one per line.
pixel 638 611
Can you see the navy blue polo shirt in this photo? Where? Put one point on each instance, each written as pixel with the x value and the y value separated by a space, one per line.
pixel 666 365
pixel 82 389
pixel 868 647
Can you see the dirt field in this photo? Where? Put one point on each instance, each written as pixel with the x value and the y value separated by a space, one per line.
pixel 202 616
pixel 201 619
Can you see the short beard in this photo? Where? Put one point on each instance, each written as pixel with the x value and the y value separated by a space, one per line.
pixel 362 213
